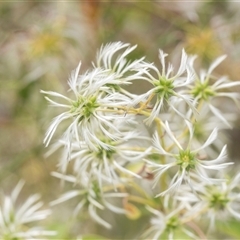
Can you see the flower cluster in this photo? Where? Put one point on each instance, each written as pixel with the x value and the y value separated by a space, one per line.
pixel 117 140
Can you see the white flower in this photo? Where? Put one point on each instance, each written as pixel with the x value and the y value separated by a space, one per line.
pixel 108 164
pixel 15 220
pixel 167 221
pixel 218 201
pixel 185 161
pixel 92 108
pixel 166 86
pixel 207 88
pixel 90 196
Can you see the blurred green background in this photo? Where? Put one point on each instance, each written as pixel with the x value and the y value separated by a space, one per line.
pixel 41 42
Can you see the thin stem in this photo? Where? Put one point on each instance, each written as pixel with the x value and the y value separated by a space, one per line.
pixel 185 131
pixel 163 179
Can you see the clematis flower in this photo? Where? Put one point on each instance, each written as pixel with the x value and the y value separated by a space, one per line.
pixel 166 86
pixel 105 164
pixel 166 222
pixel 15 219
pixel 218 201
pixel 207 88
pixel 90 196
pixel 185 161
pixel 91 109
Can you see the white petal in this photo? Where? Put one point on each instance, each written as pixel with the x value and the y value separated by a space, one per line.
pixel 95 217
pixel 66 196
pixel 216 63
pixel 17 190
pixel 210 139
pixel 218 114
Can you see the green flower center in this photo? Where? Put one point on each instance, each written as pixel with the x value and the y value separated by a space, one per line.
pixel 97 193
pixel 186 160
pixel 164 88
pixel 105 153
pixel 203 90
pixel 218 200
pixel 172 223
pixel 108 153
pixel 84 107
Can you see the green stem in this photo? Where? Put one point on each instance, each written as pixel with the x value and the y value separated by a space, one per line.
pixel 185 131
pixel 163 179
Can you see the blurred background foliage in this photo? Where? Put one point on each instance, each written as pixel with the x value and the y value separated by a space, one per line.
pixel 41 42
